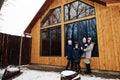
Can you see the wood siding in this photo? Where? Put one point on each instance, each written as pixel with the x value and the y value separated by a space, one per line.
pixel 108 26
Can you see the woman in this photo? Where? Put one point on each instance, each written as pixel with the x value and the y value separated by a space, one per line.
pixel 88 51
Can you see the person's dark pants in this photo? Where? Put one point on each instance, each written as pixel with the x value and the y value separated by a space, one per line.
pixel 88 69
pixel 70 62
pixel 76 66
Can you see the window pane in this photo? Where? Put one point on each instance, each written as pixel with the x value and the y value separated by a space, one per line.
pixel 51 41
pixel 78 9
pixel 55 36
pixel 45 41
pixel 53 17
pixel 77 30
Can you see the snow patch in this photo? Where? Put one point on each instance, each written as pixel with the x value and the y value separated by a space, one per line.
pixel 13 69
pixel 2 71
pixel 38 75
pixel 67 73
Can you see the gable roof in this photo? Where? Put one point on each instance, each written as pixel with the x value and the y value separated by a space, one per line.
pixel 46 6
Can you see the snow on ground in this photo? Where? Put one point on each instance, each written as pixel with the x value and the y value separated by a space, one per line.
pixel 38 75
pixel 42 75
pixel 1 73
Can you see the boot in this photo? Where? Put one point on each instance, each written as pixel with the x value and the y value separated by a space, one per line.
pixel 79 68
pixel 88 69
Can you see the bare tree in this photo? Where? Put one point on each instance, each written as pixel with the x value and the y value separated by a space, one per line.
pixel 78 9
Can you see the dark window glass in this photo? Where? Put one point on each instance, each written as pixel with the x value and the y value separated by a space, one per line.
pixel 78 9
pixel 52 17
pixel 45 42
pixel 51 41
pixel 77 30
pixel 55 34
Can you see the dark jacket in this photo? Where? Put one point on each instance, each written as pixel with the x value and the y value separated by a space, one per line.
pixel 84 45
pixel 76 55
pixel 68 51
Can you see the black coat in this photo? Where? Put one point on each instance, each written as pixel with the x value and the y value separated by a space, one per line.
pixel 68 51
pixel 76 55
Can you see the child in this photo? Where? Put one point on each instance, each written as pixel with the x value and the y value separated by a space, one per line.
pixel 83 46
pixel 76 58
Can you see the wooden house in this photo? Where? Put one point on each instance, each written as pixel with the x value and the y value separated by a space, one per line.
pixel 60 20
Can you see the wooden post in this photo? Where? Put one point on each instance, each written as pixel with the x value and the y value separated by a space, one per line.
pixel 20 50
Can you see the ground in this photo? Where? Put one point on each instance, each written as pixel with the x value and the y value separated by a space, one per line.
pixel 44 72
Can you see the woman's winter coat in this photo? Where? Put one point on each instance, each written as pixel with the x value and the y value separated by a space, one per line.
pixel 88 50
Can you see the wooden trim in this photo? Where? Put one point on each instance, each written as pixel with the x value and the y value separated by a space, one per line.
pixel 80 19
pixel 51 26
pixel 70 21
pixel 81 1
pixel 62 31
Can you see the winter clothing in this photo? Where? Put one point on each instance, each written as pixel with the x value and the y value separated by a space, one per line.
pixel 88 50
pixel 76 55
pixel 83 46
pixel 88 70
pixel 87 61
pixel 76 59
pixel 68 53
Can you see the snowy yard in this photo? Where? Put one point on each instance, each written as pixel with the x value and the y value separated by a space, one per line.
pixel 28 74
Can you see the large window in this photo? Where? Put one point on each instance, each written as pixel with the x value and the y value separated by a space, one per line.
pixel 51 41
pixel 78 9
pixel 77 30
pixel 52 17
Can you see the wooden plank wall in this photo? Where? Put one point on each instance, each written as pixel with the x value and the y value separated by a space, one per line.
pixel 10 49
pixel 108 26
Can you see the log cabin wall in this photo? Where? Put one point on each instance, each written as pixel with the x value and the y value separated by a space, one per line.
pixel 10 50
pixel 108 34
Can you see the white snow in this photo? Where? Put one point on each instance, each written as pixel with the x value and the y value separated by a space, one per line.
pixel 2 71
pixel 13 69
pixel 42 75
pixel 67 73
pixel 38 75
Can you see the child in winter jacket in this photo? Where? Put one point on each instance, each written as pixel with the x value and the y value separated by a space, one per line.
pixel 83 46
pixel 76 58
